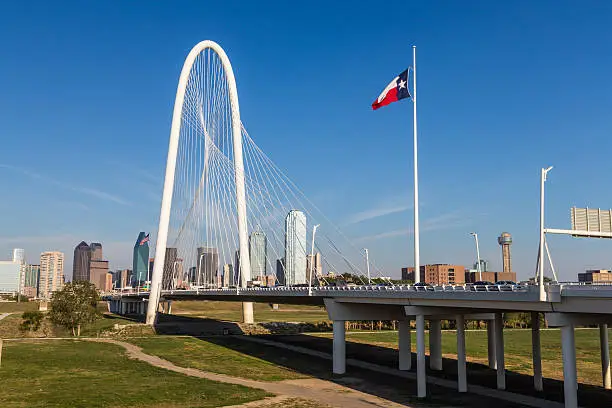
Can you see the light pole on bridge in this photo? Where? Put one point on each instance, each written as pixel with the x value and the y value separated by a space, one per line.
pixel 312 259
pixel 478 266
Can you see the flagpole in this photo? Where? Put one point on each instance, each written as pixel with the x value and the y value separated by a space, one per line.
pixel 417 260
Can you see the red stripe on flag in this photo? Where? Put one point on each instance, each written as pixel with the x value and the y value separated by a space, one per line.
pixel 390 97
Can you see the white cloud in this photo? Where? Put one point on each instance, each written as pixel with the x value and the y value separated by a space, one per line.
pixel 375 213
pixel 441 222
pixel 83 190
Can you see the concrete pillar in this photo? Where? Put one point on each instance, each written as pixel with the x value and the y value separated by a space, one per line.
pixel 421 369
pixel 536 351
pixel 405 352
pixel 435 345
pixel 605 356
pixel 570 382
pixel 491 344
pixel 339 356
pixel 461 370
pixel 247 313
pixel 499 351
pixel 169 307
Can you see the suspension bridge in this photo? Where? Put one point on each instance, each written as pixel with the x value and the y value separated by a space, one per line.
pixel 230 217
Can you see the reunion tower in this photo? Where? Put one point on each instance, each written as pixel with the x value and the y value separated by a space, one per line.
pixel 505 240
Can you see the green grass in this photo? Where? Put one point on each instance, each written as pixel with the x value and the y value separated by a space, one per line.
pixel 65 373
pixel 517 344
pixel 208 356
pixel 232 311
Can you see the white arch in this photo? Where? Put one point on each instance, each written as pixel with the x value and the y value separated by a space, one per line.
pixel 164 217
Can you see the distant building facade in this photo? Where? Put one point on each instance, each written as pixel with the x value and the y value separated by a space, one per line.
pixel 437 274
pixel 295 248
pixel 317 266
pixel 97 274
pixel 280 272
pixel 595 276
pixel 170 275
pixel 96 251
pixel 51 273
pixel 9 276
pixel 472 276
pixel 140 260
pixel 30 278
pixel 207 266
pixel 19 256
pixel 80 262
pixel 258 245
pixel 228 275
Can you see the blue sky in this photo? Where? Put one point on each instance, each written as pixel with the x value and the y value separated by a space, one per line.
pixel 87 88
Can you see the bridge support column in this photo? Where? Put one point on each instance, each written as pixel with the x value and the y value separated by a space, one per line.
pixel 461 370
pixel 421 369
pixel 499 351
pixel 491 344
pixel 538 381
pixel 404 343
pixel 339 348
pixel 435 345
pixel 570 382
pixel 605 356
pixel 169 307
pixel 247 313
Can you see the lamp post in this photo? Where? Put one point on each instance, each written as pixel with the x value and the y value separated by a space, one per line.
pixel 200 270
pixel 367 260
pixel 541 255
pixel 478 267
pixel 314 232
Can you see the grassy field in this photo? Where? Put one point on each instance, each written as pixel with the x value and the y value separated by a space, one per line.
pixel 232 311
pixel 205 355
pixel 14 307
pixel 65 373
pixel 517 344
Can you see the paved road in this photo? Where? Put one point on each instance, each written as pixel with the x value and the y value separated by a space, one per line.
pixel 321 391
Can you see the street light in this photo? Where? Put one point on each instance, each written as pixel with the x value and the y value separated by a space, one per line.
pixel 314 232
pixel 200 269
pixel 367 260
pixel 478 267
pixel 541 255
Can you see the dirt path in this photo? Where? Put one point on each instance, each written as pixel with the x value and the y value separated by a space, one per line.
pixel 323 392
pixel 3 315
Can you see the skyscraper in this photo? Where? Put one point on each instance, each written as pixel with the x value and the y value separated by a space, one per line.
pixel 51 273
pixel 80 263
pixel 140 261
pixel 280 271
pixel 29 282
pixel 98 269
pixel 228 275
pixel 19 256
pixel 207 266
pixel 170 269
pixel 295 248
pixel 317 267
pixel 258 253
pixel 96 251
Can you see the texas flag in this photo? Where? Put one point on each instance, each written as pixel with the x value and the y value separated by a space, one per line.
pixel 396 90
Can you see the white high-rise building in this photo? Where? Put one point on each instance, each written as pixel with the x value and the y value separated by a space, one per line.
pixel 19 256
pixel 51 273
pixel 295 248
pixel 9 276
pixel 258 253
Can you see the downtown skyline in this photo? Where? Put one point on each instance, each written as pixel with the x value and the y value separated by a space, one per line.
pixel 486 127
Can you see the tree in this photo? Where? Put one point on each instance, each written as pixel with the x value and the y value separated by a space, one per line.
pixel 31 321
pixel 75 305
